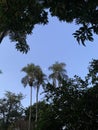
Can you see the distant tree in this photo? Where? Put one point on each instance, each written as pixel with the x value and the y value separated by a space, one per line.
pixel 28 80
pixel 93 72
pixel 46 117
pixel 11 109
pixel 18 19
pixel 34 78
pixel 40 80
pixel 65 102
pixel 88 109
pixel 89 101
pixel 58 73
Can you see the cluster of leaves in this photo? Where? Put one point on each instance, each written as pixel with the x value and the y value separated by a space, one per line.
pixel 18 18
pixel 93 71
pixel 11 109
pixel 83 34
pixel 84 12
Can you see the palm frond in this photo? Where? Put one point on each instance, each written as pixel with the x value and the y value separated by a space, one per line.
pixel 24 81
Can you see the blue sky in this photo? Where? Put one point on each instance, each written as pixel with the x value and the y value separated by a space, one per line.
pixel 48 44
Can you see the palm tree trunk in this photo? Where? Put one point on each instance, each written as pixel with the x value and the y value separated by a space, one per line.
pixel 30 113
pixel 37 105
pixel 54 82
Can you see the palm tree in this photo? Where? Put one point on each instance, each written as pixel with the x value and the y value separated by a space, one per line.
pixel 34 78
pixel 28 79
pixel 40 78
pixel 58 73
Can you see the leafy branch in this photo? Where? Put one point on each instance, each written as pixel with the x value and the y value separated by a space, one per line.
pixel 83 34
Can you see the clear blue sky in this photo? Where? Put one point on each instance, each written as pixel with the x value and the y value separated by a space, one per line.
pixel 49 43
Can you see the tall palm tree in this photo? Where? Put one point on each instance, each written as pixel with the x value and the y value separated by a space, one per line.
pixel 40 78
pixel 34 78
pixel 28 79
pixel 58 73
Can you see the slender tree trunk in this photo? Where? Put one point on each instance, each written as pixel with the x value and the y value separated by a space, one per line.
pixel 54 82
pixel 30 113
pixel 37 105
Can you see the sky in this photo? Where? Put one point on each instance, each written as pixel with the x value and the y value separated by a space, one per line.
pixel 48 44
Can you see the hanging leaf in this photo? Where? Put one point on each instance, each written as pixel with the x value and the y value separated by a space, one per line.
pixel 83 34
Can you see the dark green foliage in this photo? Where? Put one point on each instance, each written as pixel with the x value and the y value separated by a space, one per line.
pixel 83 34
pixel 17 19
pixel 89 112
pixel 20 17
pixel 11 109
pixel 46 117
pixel 83 12
pixel 93 71
pixel 65 101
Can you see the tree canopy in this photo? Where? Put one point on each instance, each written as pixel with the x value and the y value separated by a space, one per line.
pixel 11 109
pixel 18 18
pixel 74 102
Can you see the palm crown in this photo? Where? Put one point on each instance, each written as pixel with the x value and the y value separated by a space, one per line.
pixel 58 72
